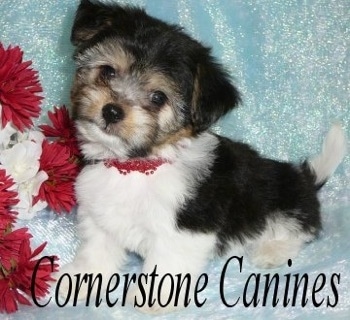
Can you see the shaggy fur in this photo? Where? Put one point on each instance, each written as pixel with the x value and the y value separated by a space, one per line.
pixel 143 90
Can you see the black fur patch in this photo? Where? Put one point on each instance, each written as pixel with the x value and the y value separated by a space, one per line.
pixel 244 190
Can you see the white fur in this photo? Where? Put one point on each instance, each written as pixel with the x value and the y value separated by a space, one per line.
pixel 333 151
pixel 98 144
pixel 136 212
pixel 281 240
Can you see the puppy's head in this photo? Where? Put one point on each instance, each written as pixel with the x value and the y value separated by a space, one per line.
pixel 141 82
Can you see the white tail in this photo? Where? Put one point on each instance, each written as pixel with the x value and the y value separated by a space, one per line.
pixel 333 152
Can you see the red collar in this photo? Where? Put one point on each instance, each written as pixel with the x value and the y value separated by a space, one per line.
pixel 145 166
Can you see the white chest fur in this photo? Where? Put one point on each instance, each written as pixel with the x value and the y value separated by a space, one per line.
pixel 137 208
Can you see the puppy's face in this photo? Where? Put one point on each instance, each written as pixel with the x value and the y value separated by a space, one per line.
pixel 141 81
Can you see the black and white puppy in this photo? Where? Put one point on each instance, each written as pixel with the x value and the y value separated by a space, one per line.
pixel 157 181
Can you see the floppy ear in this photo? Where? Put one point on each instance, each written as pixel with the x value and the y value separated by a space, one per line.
pixel 213 94
pixel 89 20
pixel 95 20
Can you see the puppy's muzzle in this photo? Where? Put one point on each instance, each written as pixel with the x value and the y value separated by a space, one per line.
pixel 112 113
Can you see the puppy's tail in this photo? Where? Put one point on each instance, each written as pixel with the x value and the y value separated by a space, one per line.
pixel 333 152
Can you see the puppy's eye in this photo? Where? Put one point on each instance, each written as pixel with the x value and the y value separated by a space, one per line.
pixel 107 72
pixel 158 98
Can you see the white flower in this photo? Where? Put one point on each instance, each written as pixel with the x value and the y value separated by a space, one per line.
pixel 5 135
pixel 22 160
pixel 26 191
pixel 32 135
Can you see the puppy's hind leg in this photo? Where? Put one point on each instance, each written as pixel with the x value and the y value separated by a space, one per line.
pixel 281 240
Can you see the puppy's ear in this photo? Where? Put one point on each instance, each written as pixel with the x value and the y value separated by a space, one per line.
pixel 95 20
pixel 213 94
pixel 89 20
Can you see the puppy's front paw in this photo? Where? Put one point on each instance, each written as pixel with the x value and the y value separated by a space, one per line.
pixel 156 308
pixel 68 279
pixel 150 304
pixel 76 283
pixel 155 300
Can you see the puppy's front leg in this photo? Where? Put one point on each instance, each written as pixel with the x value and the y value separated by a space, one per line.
pixel 172 268
pixel 98 255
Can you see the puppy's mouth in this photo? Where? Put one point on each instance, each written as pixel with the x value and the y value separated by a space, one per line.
pixel 134 127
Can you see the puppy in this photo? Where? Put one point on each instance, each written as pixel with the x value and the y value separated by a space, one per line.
pixel 157 181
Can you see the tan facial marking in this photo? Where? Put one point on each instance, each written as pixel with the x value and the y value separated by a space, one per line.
pixel 114 55
pixel 157 81
pixel 196 90
pixel 173 138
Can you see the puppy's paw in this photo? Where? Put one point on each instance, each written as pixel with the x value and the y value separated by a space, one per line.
pixel 274 253
pixel 66 281
pixel 80 283
pixel 156 309
pixel 145 303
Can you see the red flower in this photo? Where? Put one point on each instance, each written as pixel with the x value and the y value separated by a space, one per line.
pixel 7 220
pixel 19 88
pixel 9 297
pixel 18 279
pixel 62 128
pixel 62 169
pixel 8 198
pixel 10 244
pixel 23 273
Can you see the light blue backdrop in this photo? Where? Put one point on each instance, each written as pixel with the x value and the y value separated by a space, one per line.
pixel 291 61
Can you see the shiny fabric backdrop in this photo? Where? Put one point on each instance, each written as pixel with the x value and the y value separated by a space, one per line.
pixel 291 61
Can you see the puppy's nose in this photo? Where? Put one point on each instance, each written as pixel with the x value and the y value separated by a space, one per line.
pixel 112 113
